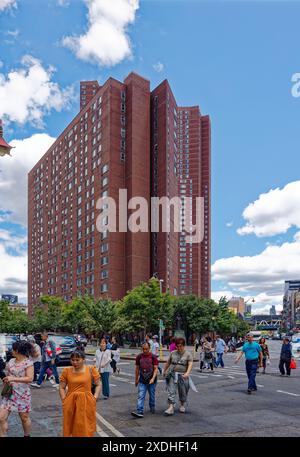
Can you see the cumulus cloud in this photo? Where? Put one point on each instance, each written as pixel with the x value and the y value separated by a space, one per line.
pixel 158 67
pixel 13 175
pixel 27 94
pixel 273 212
pixel 13 268
pixel 262 301
pixel 264 272
pixel 106 41
pixel 4 4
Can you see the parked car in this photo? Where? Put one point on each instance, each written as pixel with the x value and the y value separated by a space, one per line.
pixel 296 345
pixel 6 342
pixel 67 345
pixel 81 340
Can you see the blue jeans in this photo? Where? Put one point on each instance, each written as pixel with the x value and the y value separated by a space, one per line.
pixel 220 359
pixel 105 384
pixel 143 389
pixel 44 367
pixel 251 368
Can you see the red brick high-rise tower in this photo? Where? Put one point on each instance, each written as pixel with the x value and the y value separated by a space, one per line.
pixel 124 137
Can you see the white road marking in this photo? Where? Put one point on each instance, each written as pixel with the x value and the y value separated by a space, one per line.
pixel 100 432
pixel 127 374
pixel 199 376
pixel 123 363
pixel 125 380
pixel 287 393
pixel 109 426
pixel 230 377
pixel 112 385
pixel 259 385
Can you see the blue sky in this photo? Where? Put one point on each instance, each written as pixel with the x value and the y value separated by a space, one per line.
pixel 233 58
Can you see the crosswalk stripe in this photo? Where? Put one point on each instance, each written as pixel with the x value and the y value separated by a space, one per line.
pixel 124 380
pixel 100 432
pixel 109 426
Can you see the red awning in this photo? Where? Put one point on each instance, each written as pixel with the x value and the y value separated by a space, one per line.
pixel 3 144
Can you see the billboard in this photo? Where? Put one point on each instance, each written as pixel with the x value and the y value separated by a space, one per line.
pixel 13 299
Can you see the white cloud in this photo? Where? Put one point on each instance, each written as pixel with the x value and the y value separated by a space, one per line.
pixel 63 2
pixel 27 94
pixel 13 174
pixel 106 41
pixel 273 212
pixel 4 4
pixel 229 224
pixel 262 301
pixel 13 269
pixel 261 273
pixel 159 67
pixel 221 293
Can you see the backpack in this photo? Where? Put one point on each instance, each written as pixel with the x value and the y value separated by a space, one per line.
pixel 146 368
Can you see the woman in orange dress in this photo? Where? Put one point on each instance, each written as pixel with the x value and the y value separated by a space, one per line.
pixel 78 402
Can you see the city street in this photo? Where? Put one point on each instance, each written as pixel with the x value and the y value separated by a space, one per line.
pixel 220 408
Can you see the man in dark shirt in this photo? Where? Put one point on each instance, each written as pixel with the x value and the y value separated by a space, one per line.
pixel 146 379
pixel 286 356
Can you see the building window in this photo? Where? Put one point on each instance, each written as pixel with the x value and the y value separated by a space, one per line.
pixel 104 260
pixel 104 274
pixel 104 287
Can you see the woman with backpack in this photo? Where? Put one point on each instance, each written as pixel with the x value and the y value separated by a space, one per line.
pixel 78 401
pixel 146 367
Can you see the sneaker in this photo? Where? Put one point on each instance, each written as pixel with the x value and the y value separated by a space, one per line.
pixel 56 386
pixel 105 397
pixel 182 409
pixel 137 414
pixel 52 379
pixel 35 384
pixel 152 410
pixel 249 391
pixel 169 411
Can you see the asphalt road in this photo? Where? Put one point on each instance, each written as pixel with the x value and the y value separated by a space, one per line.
pixel 221 407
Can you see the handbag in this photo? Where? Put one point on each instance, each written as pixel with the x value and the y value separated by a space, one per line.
pixel 293 365
pixel 7 390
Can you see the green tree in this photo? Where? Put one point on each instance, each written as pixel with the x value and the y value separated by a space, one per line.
pixel 143 306
pixel 6 317
pixel 54 308
pixel 76 317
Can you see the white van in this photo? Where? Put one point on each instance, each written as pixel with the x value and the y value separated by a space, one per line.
pixel 257 335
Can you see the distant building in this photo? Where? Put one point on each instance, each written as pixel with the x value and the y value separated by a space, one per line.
pixel 19 306
pixel 13 303
pixel 237 305
pixel 248 309
pixel 125 136
pixel 272 310
pixel 291 303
